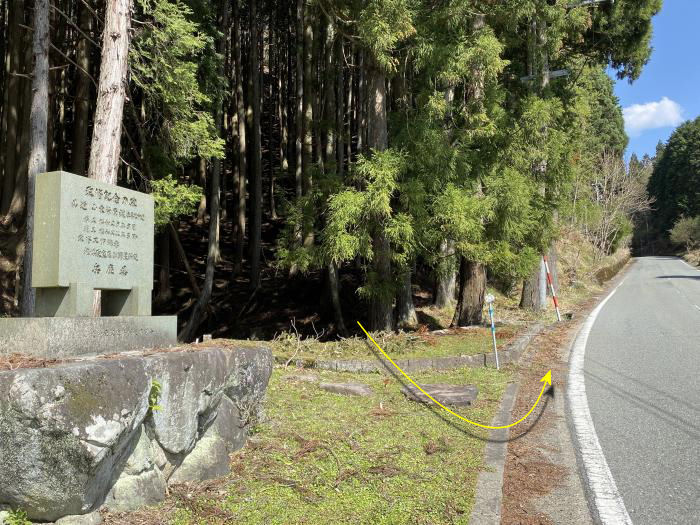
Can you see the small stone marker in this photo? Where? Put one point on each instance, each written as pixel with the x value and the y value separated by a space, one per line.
pixel 450 395
pixel 89 236
pixel 303 378
pixel 347 389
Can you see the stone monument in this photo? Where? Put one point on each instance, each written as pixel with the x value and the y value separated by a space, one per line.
pixel 89 236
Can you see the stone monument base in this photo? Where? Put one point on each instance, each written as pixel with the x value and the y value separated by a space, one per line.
pixel 59 337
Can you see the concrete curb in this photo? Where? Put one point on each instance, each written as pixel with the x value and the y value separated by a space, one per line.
pixel 489 484
pixel 509 354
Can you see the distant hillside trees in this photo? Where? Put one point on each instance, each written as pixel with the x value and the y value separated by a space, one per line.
pixel 675 181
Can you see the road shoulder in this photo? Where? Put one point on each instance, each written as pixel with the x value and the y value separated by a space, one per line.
pixel 542 482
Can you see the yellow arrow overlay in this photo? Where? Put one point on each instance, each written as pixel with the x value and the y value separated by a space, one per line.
pixel 547 380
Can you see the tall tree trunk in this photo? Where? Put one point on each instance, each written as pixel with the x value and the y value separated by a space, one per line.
pixel 274 64
pixel 105 148
pixel 534 293
pixel 470 296
pixel 14 95
pixel 38 119
pixel 82 95
pixel 339 108
pixel 299 118
pixel 350 109
pixel 405 311
pixel 256 193
pixel 334 288
pixel 471 287
pixel 202 173
pixel 361 104
pixel 165 293
pixel 446 276
pixel 183 258
pixel 282 97
pixel 240 213
pixel 307 154
pixel 472 274
pixel 381 307
pixel 18 204
pixel 4 73
pixel 329 157
pixel 299 121
pixel 217 165
pixel 188 332
pixel 58 145
pixel 329 103
pixel 318 31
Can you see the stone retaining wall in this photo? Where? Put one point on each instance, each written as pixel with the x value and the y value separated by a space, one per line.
pixel 81 435
pixel 608 272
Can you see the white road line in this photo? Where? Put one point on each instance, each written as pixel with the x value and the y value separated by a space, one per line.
pixel 606 499
pixel 689 265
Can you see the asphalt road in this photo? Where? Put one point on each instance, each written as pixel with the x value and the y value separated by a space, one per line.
pixel 642 376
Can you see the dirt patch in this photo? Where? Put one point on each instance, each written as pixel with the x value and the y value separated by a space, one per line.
pixel 16 361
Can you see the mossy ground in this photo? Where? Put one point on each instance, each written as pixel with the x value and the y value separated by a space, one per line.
pixel 325 458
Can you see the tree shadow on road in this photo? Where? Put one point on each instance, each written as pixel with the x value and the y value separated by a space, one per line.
pixel 684 425
pixel 692 277
pixel 647 386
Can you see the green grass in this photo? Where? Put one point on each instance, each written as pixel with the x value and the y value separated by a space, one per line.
pixel 476 340
pixel 325 458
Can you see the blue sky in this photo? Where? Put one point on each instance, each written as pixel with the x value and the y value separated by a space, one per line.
pixel 667 92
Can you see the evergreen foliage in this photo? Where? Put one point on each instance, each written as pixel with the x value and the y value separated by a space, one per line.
pixel 675 181
pixel 173 200
pixel 165 62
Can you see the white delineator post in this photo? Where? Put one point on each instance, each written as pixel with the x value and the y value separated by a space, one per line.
pixel 551 287
pixel 489 300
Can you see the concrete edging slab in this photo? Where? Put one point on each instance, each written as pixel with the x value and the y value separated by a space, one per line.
pixel 489 484
pixel 509 354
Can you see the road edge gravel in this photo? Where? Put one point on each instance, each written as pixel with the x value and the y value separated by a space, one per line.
pixel 488 499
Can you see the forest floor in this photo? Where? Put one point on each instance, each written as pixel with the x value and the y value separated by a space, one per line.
pixel 299 304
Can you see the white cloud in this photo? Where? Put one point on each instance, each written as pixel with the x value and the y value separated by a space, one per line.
pixel 652 115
